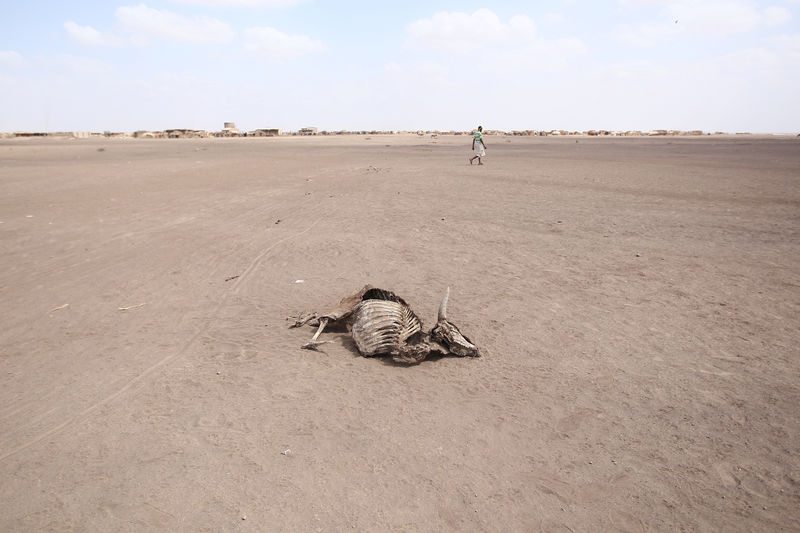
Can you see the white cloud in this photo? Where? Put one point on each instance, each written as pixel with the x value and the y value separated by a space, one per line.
pixel 643 2
pixel 646 33
pixel 776 15
pixel 80 65
pixel 245 3
pixel 553 19
pixel 787 47
pixel 524 63
pixel 424 76
pixel 11 59
pixel 90 36
pixel 789 43
pixel 500 49
pixel 144 23
pixel 639 70
pixel 463 31
pixel 272 43
pixel 710 18
pixel 715 17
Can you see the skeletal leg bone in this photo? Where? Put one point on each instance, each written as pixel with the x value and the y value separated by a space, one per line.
pixel 303 319
pixel 342 311
pixel 313 343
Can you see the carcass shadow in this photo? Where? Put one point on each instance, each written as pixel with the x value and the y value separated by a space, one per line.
pixel 340 334
pixel 347 342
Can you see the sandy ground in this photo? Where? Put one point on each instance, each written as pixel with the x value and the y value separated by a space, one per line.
pixel 636 302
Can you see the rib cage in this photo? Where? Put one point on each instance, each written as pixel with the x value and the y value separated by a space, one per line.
pixel 382 326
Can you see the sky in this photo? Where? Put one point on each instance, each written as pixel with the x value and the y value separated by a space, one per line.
pixel 126 65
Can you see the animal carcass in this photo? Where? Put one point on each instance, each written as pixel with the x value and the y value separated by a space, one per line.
pixel 382 323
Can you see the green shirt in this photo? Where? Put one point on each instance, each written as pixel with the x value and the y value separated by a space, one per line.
pixel 478 136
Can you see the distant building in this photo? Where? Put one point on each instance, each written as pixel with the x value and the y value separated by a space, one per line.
pixel 265 132
pixel 307 131
pixel 230 130
pixel 30 134
pixel 181 133
pixel 142 134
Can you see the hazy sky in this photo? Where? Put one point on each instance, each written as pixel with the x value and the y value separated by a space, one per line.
pixel 714 65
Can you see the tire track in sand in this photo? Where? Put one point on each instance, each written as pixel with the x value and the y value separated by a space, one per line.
pixel 127 386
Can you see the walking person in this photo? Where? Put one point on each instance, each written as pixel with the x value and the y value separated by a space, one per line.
pixel 478 146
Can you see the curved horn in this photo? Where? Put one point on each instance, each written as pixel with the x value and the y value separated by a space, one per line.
pixel 443 306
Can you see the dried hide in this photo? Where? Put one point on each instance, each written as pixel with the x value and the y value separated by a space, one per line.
pixel 382 323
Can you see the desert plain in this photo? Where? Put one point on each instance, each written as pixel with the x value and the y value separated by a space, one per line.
pixel 636 302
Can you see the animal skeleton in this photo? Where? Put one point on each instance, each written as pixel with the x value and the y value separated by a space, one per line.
pixel 383 323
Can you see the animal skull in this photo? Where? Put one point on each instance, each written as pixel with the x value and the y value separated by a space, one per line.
pixel 383 323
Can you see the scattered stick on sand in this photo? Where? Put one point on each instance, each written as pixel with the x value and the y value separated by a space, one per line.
pixel 130 307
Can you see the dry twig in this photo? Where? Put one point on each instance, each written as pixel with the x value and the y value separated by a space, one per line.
pixel 130 307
